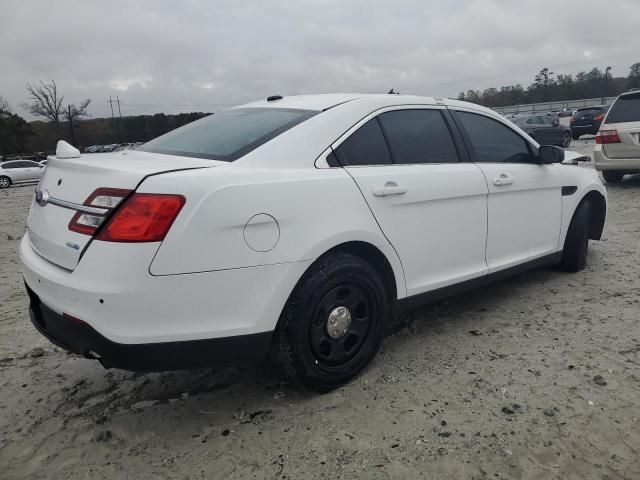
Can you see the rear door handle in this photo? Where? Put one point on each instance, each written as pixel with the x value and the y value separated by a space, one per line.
pixel 390 188
pixel 502 180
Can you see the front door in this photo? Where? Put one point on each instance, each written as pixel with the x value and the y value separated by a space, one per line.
pixel 525 198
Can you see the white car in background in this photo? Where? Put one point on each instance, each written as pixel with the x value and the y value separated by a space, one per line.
pixel 617 150
pixel 294 225
pixel 19 171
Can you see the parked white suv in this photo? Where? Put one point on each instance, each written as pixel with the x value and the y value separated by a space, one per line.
pixel 617 150
pixel 297 225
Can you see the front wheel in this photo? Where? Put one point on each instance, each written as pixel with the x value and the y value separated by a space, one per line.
pixel 565 140
pixel 576 244
pixel 5 182
pixel 332 324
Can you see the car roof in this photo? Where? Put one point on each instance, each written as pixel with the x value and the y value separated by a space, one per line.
pixel 600 107
pixel 323 102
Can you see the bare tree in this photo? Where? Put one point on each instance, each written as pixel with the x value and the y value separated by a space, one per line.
pixel 73 113
pixel 4 105
pixel 44 101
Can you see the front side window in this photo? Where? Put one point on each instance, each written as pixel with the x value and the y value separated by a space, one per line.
pixel 227 135
pixel 625 109
pixel 494 142
pixel 366 146
pixel 418 136
pixel 534 121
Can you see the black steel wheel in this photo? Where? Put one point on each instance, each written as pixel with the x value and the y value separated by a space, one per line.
pixel 332 324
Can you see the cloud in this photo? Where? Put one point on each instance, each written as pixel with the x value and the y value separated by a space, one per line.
pixel 204 55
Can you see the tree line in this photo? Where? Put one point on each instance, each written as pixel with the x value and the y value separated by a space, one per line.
pixel 549 87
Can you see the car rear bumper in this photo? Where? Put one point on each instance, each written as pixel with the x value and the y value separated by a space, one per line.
pixel 602 162
pixel 120 304
pixel 584 130
pixel 78 337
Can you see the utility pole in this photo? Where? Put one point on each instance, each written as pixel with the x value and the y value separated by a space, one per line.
pixel 604 88
pixel 119 115
pixel 73 137
pixel 113 120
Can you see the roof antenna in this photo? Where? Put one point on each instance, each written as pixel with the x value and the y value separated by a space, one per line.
pixel 393 92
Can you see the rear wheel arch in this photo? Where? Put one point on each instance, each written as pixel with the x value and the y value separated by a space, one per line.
pixel 374 256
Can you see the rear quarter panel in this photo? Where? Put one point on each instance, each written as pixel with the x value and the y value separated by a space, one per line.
pixel 315 210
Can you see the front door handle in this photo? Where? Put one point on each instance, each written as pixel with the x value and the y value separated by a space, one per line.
pixel 502 180
pixel 390 188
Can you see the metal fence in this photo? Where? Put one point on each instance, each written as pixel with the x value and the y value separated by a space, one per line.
pixel 554 106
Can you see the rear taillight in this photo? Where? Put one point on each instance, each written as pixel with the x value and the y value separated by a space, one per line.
pixel 143 217
pixel 572 120
pixel 104 200
pixel 607 136
pixel 598 118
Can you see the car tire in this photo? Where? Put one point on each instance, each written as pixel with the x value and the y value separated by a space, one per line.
pixel 321 346
pixel 576 243
pixel 565 141
pixel 5 182
pixel 575 136
pixel 613 176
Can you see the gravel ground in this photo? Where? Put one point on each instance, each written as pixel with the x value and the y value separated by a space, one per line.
pixel 535 377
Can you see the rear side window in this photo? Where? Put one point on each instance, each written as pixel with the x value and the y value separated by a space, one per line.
pixel 534 121
pixel 227 135
pixel 625 109
pixel 366 146
pixel 418 136
pixel 492 141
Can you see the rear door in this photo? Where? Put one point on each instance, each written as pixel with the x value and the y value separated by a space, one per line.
pixel 14 169
pixel 552 133
pixel 430 205
pixel 624 117
pixel 525 200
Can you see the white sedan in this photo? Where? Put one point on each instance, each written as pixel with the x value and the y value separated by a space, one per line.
pixel 19 171
pixel 295 225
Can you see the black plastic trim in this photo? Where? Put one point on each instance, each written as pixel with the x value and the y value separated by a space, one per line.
pixel 451 290
pixel 78 337
pixel 569 190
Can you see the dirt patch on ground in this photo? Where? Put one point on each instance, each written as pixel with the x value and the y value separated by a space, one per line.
pixel 534 377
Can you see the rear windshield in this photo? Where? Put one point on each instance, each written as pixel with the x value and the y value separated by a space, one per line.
pixel 581 112
pixel 625 109
pixel 227 135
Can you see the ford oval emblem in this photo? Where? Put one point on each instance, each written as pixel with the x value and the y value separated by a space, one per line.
pixel 42 197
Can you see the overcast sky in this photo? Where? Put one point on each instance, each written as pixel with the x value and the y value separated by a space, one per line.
pixel 178 55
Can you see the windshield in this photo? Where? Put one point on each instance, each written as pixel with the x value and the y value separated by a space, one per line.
pixel 227 135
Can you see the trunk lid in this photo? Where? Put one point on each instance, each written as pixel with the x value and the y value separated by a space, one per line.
pixel 72 180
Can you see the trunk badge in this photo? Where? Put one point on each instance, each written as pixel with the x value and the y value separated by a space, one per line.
pixel 42 197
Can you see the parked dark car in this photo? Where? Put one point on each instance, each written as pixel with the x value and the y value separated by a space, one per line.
pixel 545 129
pixel 587 120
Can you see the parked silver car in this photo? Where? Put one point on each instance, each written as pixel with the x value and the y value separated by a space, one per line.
pixel 19 171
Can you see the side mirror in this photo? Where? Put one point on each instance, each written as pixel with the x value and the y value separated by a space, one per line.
pixel 556 122
pixel 550 154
